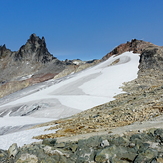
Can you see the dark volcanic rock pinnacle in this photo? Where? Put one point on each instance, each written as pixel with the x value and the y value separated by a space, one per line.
pixel 34 49
pixel 32 59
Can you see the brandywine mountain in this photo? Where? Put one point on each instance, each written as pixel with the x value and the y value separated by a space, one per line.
pixel 108 110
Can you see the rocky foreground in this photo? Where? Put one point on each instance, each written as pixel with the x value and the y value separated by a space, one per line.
pixel 141 147
pixel 89 137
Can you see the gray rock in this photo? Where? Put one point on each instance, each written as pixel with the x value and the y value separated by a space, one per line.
pixel 35 48
pixel 142 147
pixel 136 137
pixel 90 142
pixel 13 150
pixel 27 158
pixel 151 58
pixel 74 147
pixel 116 160
pixel 84 154
pixel 147 156
pixel 131 145
pixel 120 140
pixel 60 145
pixel 3 156
pixel 106 154
pixel 50 142
pixel 118 152
pixel 105 143
pixel 130 149
pixel 159 134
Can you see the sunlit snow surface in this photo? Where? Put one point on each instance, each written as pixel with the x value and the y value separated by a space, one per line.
pixel 60 98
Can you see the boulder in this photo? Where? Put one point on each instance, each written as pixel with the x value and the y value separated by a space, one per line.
pixel 148 155
pixel 13 150
pixel 49 142
pixel 27 158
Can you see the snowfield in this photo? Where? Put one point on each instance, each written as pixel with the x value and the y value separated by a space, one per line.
pixel 62 98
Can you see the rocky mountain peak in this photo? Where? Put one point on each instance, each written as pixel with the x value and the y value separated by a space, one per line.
pixel 36 41
pixel 32 60
pixel 137 46
pixel 4 51
pixel 35 49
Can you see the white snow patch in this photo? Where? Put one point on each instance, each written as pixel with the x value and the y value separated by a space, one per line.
pixel 25 77
pixel 23 137
pixel 103 87
pixel 76 62
pixel 23 120
pixel 89 88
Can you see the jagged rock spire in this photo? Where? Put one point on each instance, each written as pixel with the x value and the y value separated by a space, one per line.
pixel 4 51
pixel 35 49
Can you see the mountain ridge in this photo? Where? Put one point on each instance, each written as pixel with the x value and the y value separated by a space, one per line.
pixel 33 63
pixel 137 46
pixel 89 136
pixel 27 60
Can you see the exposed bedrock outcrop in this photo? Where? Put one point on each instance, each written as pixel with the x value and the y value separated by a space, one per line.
pixel 151 58
pixel 137 46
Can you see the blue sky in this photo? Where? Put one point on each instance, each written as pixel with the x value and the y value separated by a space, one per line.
pixel 83 29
